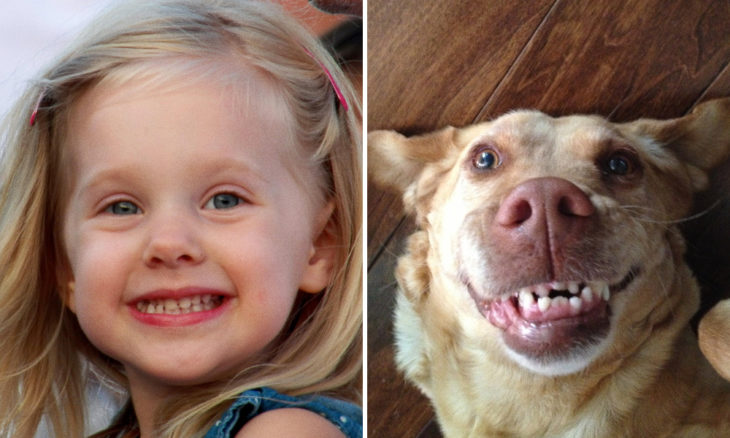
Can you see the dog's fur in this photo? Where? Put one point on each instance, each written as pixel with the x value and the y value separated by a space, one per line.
pixel 567 199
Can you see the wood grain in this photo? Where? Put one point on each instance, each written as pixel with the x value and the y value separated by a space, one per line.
pixel 619 59
pixel 433 63
pixel 419 52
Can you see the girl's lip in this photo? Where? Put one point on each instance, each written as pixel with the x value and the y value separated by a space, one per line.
pixel 180 319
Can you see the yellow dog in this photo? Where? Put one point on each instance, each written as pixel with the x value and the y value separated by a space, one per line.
pixel 545 293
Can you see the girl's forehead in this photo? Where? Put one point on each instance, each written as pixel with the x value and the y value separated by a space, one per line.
pixel 191 89
pixel 242 87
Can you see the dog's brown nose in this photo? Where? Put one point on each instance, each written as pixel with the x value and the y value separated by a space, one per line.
pixel 549 208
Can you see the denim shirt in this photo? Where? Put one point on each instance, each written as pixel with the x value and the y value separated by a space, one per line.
pixel 346 416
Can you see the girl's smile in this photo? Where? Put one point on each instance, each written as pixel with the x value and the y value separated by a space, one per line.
pixel 180 307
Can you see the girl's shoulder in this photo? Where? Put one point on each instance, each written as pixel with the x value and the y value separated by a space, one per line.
pixel 289 422
pixel 347 417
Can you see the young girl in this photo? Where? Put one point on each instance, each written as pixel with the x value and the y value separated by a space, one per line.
pixel 180 215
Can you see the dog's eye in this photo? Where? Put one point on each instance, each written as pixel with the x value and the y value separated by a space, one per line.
pixel 619 164
pixel 486 159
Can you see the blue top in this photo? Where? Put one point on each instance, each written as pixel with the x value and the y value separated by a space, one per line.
pixel 346 416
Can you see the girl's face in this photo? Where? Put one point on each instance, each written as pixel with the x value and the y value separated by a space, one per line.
pixel 188 227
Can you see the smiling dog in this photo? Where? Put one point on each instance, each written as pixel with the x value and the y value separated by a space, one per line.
pixel 545 291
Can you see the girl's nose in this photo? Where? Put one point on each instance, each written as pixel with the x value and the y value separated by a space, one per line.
pixel 173 244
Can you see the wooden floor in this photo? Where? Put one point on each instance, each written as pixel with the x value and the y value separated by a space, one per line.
pixel 433 63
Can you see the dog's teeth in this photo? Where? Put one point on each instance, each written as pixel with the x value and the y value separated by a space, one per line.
pixel 526 299
pixel 559 301
pixel 587 294
pixel 573 287
pixel 581 296
pixel 543 303
pixel 558 285
pixel 575 303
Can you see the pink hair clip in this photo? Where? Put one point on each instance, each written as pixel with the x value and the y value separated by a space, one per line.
pixel 339 94
pixel 34 114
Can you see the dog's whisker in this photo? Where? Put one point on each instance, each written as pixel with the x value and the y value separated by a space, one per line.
pixel 701 213
pixel 629 208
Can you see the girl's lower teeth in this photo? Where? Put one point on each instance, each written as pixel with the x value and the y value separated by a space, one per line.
pixel 185 305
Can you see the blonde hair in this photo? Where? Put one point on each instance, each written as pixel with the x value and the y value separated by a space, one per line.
pixel 45 356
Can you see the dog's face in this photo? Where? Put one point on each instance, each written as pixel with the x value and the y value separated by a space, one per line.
pixel 542 220
pixel 559 232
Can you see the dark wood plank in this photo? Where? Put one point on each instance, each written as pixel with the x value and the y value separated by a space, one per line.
pixel 407 417
pixel 385 211
pixel 420 52
pixel 431 430
pixel 720 87
pixel 623 59
pixel 382 288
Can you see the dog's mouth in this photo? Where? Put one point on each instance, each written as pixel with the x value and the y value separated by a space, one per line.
pixel 552 321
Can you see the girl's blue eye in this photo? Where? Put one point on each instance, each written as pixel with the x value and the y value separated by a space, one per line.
pixel 122 208
pixel 223 201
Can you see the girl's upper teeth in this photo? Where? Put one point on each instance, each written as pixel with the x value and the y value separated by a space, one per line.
pixel 171 306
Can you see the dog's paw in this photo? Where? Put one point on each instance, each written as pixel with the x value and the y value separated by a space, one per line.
pixel 714 337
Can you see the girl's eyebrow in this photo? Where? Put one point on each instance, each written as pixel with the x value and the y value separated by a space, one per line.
pixel 98 178
pixel 234 166
pixel 227 166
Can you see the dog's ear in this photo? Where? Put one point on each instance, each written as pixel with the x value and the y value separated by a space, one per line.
pixel 398 162
pixel 700 139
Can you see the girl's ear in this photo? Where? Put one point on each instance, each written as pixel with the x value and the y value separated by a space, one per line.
pixel 69 295
pixel 323 253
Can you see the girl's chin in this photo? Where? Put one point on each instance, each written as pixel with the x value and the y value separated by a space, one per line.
pixel 181 371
